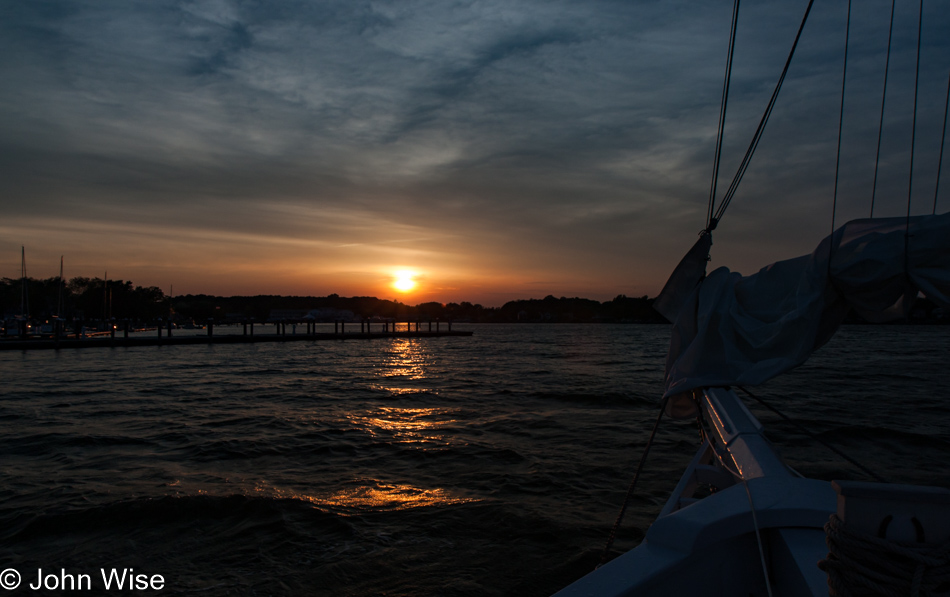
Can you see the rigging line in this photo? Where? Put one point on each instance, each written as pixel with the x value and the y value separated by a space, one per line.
pixel 943 138
pixel 804 430
pixel 913 138
pixel 722 117
pixel 758 538
pixel 633 485
pixel 880 126
pixel 765 118
pixel 844 79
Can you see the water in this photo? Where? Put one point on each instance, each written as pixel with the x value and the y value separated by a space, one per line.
pixel 490 465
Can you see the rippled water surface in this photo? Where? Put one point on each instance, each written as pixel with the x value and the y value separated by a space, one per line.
pixel 490 465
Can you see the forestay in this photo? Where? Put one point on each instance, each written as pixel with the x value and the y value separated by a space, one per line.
pixel 731 329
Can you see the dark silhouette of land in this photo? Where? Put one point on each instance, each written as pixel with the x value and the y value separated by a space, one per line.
pixel 548 309
pixel 94 299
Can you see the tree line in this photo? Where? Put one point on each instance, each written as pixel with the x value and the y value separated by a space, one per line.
pixel 81 298
pixel 548 309
pixel 93 299
pixel 100 299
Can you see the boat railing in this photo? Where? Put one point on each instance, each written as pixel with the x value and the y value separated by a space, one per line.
pixel 738 437
pixel 735 449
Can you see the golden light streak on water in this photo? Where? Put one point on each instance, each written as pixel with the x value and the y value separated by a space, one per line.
pixel 406 425
pixel 372 495
pixel 407 359
pixel 393 497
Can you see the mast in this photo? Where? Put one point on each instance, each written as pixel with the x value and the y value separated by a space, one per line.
pixel 24 290
pixel 59 300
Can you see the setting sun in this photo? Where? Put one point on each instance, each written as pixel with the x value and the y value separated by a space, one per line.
pixel 404 280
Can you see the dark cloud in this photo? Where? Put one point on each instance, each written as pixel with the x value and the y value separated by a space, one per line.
pixel 538 133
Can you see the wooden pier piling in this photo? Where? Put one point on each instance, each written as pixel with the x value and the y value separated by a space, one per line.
pixel 388 329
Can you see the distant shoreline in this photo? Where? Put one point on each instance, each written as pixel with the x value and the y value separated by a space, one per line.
pixel 82 300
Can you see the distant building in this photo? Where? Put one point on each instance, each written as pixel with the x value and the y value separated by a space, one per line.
pixel 326 314
pixel 287 315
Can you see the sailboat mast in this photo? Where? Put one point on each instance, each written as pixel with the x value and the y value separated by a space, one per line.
pixel 24 292
pixel 59 300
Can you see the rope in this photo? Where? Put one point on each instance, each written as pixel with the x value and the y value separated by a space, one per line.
pixel 913 138
pixel 633 485
pixel 880 126
pixel 844 78
pixel 710 225
pixel 854 462
pixel 859 564
pixel 943 137
pixel 758 539
pixel 731 191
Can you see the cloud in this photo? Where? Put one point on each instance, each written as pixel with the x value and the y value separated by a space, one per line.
pixel 534 135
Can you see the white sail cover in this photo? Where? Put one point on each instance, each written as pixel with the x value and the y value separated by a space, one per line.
pixel 730 329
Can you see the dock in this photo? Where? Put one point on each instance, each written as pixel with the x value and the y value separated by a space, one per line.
pixel 170 338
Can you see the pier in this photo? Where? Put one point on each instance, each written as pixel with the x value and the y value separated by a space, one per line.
pixel 167 336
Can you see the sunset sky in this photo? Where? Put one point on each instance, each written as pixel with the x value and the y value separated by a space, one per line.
pixel 489 150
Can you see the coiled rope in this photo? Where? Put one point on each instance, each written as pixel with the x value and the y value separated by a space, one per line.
pixel 860 564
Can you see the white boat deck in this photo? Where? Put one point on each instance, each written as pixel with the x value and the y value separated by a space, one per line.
pixel 708 546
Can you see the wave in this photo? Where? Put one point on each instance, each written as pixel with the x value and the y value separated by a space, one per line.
pixel 226 517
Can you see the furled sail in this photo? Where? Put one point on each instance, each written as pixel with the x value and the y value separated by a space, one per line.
pixel 730 329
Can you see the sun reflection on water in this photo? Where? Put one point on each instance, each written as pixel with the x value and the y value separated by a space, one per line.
pixel 406 360
pixel 406 425
pixel 380 496
pixel 403 367
pixel 372 495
